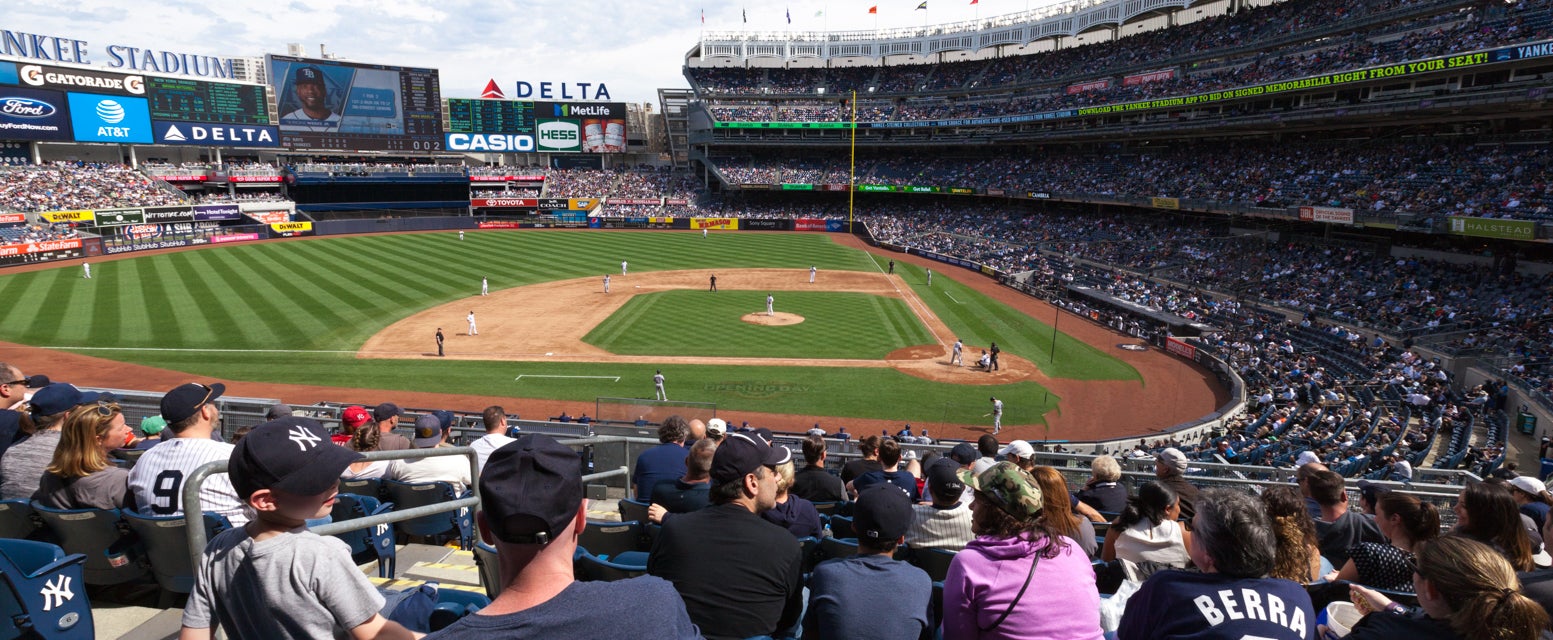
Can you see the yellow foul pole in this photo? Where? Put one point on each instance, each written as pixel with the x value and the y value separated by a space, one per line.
pixel 852 173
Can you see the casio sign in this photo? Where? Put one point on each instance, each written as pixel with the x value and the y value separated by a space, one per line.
pixel 25 108
pixel 490 142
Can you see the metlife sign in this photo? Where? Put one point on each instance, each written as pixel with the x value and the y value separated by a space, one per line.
pixel 27 114
pixel 555 135
pixel 216 135
pixel 99 118
pixel 491 142
pixel 611 110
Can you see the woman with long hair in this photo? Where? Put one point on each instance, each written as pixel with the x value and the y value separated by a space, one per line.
pixel 1466 590
pixel 363 439
pixel 1408 523
pixel 1018 578
pixel 1488 514
pixel 1147 531
pixel 1299 555
pixel 81 475
pixel 1059 513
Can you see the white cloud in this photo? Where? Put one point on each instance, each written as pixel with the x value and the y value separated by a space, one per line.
pixel 634 47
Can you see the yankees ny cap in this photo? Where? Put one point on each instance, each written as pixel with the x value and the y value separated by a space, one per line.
pixel 186 400
pixel 292 454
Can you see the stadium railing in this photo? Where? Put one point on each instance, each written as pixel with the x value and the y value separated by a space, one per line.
pixel 192 484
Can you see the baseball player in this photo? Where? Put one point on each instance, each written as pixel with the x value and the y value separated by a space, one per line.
pixel 485 287
pixel 439 342
pixel 622 267
pixel 957 357
pixel 703 232
pixel 657 383
pixel 892 267
pixel 471 319
pixel 770 311
pixel 461 236
pixel 929 277
pixel 997 415
pixel 606 283
pixel 812 271
pixel 714 283
pixel 86 270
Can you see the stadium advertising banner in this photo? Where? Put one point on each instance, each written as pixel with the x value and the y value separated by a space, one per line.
pixel 1165 203
pixel 30 252
pixel 558 135
pixel 1089 86
pixel 495 126
pixel 205 212
pixel 30 114
pixel 506 203
pixel 328 104
pixel 291 229
pixel 808 224
pixel 157 215
pixel 797 187
pixel 1148 76
pixel 1494 228
pixel 119 217
pixel 13 218
pixel 67 216
pixel 1335 215
pixel 104 118
pixel 1180 348
pixel 766 225
pixel 506 178
pixel 730 224
pixel 636 201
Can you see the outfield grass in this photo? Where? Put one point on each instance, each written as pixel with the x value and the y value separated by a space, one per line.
pixel 700 323
pixel 319 300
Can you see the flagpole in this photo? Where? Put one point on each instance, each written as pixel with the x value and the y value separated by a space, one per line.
pixel 852 172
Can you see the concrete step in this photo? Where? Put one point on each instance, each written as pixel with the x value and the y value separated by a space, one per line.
pixel 446 573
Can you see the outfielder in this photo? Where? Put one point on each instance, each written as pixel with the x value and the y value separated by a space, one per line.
pixel 956 357
pixel 86 270
pixel 485 287
pixel 770 311
pixel 703 232
pixel 657 383
pixel 471 319
pixel 606 283
pixel 812 271
pixel 997 415
pixel 929 277
pixel 622 267
pixel 461 236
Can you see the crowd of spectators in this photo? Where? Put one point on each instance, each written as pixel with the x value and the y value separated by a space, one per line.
pixel 61 186
pixel 629 183
pixel 213 197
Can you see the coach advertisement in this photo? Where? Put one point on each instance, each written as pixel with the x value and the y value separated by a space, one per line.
pixel 30 252
pixel 728 224
pixel 766 225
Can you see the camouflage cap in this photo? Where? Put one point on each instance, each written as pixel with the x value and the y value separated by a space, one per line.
pixel 1012 489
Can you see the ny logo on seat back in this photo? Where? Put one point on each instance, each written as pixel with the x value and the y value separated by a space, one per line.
pixel 56 592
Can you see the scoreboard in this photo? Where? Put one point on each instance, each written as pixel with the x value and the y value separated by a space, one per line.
pixel 466 115
pixel 332 104
pixel 191 100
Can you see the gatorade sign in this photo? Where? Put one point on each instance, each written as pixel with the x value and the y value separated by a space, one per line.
pixel 555 134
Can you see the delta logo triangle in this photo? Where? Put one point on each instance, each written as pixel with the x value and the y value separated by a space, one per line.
pixel 492 91
pixel 173 134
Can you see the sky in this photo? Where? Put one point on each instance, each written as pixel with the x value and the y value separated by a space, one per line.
pixel 632 47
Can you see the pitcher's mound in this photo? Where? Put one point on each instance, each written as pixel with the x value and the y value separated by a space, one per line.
pixel 778 320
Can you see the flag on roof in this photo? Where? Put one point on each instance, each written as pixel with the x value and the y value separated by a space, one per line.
pixel 923 6
pixel 874 9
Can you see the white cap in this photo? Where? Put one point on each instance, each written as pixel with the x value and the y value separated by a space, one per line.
pixel 1018 449
pixel 909 455
pixel 1306 457
pixel 716 427
pixel 1528 484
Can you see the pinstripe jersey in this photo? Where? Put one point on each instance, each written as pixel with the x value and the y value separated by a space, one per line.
pixel 157 479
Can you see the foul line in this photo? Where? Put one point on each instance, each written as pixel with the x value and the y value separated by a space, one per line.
pixel 199 350
pixel 912 301
pixel 956 301
pixel 535 375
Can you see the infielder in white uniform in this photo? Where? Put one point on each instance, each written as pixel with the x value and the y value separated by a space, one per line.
pixel 622 267
pixel 957 357
pixel 157 478
pixel 929 277
pixel 471 319
pixel 997 415
pixel 485 287
pixel 657 382
pixel 812 271
pixel 606 283
pixel 86 270
pixel 770 311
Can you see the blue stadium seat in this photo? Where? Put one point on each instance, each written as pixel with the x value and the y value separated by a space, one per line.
pixel 17 519
pixel 609 539
pixel 934 561
pixel 828 508
pixel 838 548
pixel 371 544
pixel 633 510
pixel 453 604
pixel 490 569
pixel 45 594
pixel 409 495
pixel 592 567
pixel 370 487
pixel 112 551
pixel 841 527
pixel 166 542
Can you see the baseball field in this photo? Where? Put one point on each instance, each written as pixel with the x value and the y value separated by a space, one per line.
pixel 856 346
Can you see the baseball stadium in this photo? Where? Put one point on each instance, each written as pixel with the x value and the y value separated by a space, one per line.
pixel 1266 287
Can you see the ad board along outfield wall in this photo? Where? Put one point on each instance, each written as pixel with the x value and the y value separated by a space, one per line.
pixel 297 312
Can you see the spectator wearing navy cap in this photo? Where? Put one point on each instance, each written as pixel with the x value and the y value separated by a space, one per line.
pixel 532 509
pixel 387 417
pixel 740 576
pixel 946 522
pixel 23 464
pixel 453 470
pixel 272 578
pixel 871 594
pixel 157 478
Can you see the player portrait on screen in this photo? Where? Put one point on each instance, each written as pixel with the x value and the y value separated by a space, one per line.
pixel 311 91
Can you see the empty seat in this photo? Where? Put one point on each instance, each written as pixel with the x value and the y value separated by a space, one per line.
pixel 490 568
pixel 633 510
pixel 409 495
pixel 166 542
pixel 592 567
pixel 838 548
pixel 372 543
pixel 934 561
pixel 609 539
pixel 44 594
pixel 17 519
pixel 111 550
